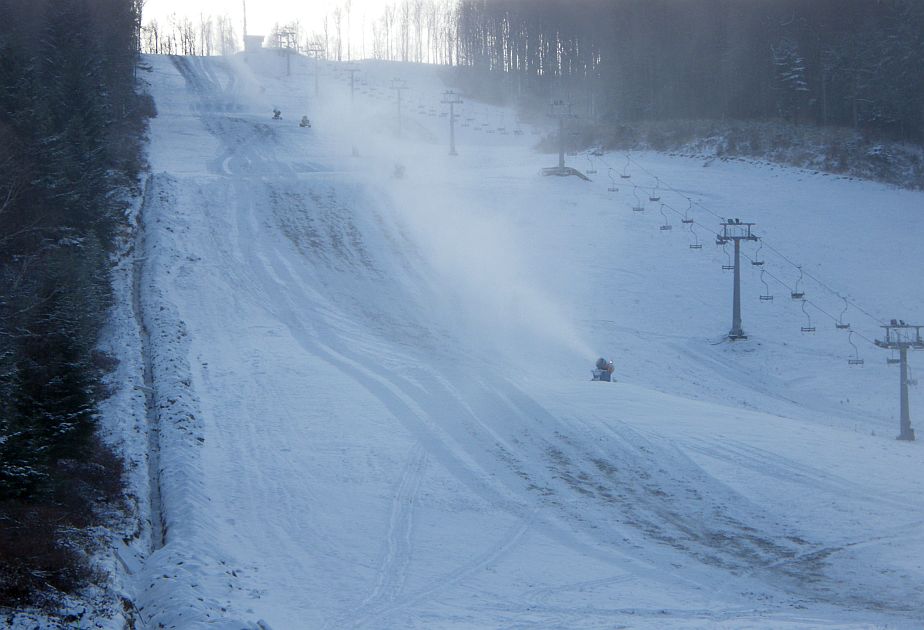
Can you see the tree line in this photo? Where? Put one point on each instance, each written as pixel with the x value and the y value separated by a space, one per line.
pixel 71 126
pixel 845 63
pixel 851 63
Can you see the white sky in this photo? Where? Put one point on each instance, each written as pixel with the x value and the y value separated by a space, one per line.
pixel 263 14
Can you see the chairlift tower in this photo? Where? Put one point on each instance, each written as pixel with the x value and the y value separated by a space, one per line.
pixel 733 230
pixel 399 85
pixel 452 99
pixel 353 71
pixel 286 40
pixel 562 111
pixel 316 51
pixel 903 337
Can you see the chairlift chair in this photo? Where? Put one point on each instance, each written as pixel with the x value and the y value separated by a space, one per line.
pixel 796 293
pixel 695 244
pixel 766 296
pixel 625 171
pixel 591 170
pixel 841 324
pixel 855 359
pixel 808 328
pixel 666 227
pixel 728 266
pixel 613 187
pixel 638 207
pixel 655 195
pixel 757 261
pixel 686 214
pixel 687 219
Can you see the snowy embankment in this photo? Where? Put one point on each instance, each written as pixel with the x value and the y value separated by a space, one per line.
pixel 370 394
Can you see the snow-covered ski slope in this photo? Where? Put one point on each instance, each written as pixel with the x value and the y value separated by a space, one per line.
pixel 374 397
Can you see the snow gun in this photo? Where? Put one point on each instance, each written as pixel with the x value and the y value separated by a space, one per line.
pixel 603 370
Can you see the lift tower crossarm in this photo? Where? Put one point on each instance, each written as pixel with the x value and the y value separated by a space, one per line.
pixel 903 337
pixel 452 99
pixel 734 230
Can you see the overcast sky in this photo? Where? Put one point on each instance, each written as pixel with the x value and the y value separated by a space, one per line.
pixel 261 14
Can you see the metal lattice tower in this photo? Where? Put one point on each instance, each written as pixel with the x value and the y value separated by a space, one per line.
pixel 452 99
pixel 733 230
pixel 903 337
pixel 399 85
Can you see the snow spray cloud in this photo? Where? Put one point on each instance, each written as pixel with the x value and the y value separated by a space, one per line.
pixel 481 283
pixel 483 278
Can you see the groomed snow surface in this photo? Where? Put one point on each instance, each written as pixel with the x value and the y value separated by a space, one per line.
pixel 372 394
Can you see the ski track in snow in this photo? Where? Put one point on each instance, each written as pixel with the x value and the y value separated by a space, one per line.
pixel 397 434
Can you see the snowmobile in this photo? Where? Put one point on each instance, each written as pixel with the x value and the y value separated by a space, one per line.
pixel 603 370
pixel 277 115
pixel 305 122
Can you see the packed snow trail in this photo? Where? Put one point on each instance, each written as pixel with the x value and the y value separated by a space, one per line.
pixel 381 416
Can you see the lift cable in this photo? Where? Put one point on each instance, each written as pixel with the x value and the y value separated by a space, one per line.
pixel 666 186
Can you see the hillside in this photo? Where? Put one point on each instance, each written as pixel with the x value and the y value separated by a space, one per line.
pixel 372 396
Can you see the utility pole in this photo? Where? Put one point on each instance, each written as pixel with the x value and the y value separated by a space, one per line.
pixel 903 337
pixel 399 85
pixel 735 230
pixel 245 21
pixel 316 50
pixel 353 72
pixel 452 99
pixel 561 110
